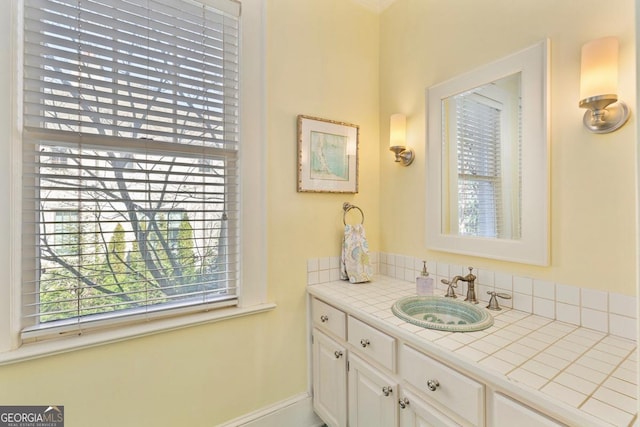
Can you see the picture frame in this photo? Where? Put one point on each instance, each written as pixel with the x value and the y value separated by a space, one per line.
pixel 327 155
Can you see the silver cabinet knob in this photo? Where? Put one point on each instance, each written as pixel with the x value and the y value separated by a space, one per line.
pixel 338 354
pixel 364 342
pixel 404 402
pixel 433 384
pixel 324 318
pixel 387 390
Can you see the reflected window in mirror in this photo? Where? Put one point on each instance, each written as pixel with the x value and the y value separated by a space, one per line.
pixel 481 160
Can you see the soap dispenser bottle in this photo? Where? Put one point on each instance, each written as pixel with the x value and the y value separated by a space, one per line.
pixel 424 283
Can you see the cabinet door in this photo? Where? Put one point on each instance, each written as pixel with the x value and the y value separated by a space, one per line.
pixel 508 413
pixel 372 396
pixel 415 412
pixel 329 380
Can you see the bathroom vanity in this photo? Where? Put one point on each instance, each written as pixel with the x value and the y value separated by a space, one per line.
pixel 371 368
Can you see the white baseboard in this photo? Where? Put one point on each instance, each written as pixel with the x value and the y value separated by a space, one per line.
pixel 296 411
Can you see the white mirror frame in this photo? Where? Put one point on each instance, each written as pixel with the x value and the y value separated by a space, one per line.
pixel 533 245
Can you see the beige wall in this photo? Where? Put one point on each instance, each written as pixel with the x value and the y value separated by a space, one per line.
pixel 322 60
pixel 593 207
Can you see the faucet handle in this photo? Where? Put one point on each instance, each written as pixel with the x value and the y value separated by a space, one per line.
pixel 450 292
pixel 493 301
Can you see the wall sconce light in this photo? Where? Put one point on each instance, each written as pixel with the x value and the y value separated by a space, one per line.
pixel 599 87
pixel 397 137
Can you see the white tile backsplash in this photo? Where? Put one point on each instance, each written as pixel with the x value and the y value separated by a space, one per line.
pixel 312 264
pixel 544 307
pixel 594 309
pixel 334 262
pixel 568 313
pixel 594 299
pixel 503 281
pixel 568 294
pixel 523 302
pixel 458 270
pixel 485 277
pixel 624 305
pixel 594 319
pixel 523 285
pixel 544 289
pixel 623 326
pixel 442 269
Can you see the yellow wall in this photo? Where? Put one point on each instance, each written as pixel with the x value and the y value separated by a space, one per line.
pixel 593 207
pixel 337 60
pixel 322 60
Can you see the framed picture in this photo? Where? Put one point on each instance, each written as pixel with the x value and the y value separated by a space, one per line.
pixel 327 156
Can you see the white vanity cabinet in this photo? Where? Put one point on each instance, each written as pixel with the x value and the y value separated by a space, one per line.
pixel 507 413
pixel 347 388
pixel 372 396
pixel 366 376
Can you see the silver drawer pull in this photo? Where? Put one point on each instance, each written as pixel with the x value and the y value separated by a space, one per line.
pixel 404 402
pixel 433 384
pixel 324 318
pixel 338 354
pixel 364 342
pixel 387 390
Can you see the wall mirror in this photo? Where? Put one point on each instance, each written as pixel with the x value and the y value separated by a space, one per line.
pixel 488 161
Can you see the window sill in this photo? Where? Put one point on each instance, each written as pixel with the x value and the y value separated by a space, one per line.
pixel 63 345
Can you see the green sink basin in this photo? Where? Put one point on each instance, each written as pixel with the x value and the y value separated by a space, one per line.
pixel 444 314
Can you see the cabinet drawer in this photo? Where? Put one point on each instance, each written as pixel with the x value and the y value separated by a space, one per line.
pixel 328 318
pixel 507 412
pixel 371 342
pixel 460 396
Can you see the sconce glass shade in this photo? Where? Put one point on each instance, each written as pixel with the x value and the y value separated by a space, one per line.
pixel 397 139
pixel 599 86
pixel 599 68
pixel 397 130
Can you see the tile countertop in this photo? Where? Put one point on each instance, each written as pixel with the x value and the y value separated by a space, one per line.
pixel 587 376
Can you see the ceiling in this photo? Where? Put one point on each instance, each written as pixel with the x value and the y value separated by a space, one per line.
pixel 375 5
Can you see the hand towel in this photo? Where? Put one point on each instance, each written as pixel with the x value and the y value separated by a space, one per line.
pixel 355 264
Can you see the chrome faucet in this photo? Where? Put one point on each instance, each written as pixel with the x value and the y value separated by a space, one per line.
pixel 471 286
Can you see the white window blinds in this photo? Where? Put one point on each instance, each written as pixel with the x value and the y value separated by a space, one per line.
pixel 130 158
pixel 479 166
pixel 486 173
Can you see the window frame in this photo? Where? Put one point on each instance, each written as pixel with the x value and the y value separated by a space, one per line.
pixel 252 297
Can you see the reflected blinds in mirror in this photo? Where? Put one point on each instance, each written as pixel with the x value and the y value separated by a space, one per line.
pixel 478 165
pixel 485 173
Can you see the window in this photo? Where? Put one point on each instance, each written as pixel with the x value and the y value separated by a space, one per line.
pixel 124 103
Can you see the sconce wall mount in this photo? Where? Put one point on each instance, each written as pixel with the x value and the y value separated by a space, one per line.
pixel 599 86
pixel 403 155
pixel 604 113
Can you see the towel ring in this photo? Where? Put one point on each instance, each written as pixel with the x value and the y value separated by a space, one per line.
pixel 346 207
